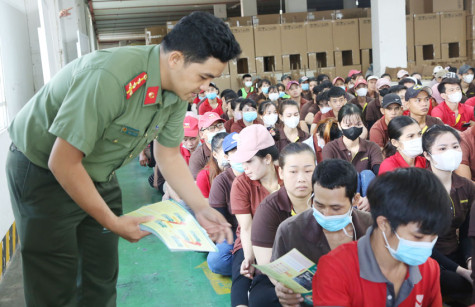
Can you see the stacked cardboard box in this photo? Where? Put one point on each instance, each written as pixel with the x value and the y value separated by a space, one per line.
pixel 268 47
pixel 427 37
pixel 346 45
pixel 320 44
pixel 365 43
pixel 470 10
pixel 294 46
pixel 452 35
pixel 155 34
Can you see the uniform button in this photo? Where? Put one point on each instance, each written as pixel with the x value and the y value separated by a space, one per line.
pixel 145 135
pixel 116 141
pixel 130 156
pixel 390 297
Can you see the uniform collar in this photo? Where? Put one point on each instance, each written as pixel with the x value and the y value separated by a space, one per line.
pixel 283 200
pixel 342 147
pixel 457 181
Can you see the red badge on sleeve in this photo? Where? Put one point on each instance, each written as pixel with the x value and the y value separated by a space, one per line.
pixel 151 95
pixel 135 84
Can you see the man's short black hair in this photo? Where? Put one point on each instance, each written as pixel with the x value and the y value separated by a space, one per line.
pixel 409 195
pixel 336 173
pixel 246 76
pixel 228 94
pixel 336 92
pixel 200 36
pixel 384 75
pixel 323 85
pixel 247 102
pixel 397 88
pixel 406 80
pixel 322 77
pixel 441 86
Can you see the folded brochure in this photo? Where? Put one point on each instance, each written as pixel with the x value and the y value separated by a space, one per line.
pixel 293 270
pixel 175 226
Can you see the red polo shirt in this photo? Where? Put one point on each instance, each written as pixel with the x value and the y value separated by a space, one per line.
pixel 202 181
pixel 443 112
pixel 379 132
pixel 397 161
pixel 185 153
pixel 206 107
pixel 350 276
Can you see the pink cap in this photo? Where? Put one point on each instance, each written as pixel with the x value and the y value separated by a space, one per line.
pixel 208 119
pixel 382 82
pixel 251 139
pixel 190 125
pixel 353 72
pixel 360 81
pixel 436 94
pixel 402 73
pixel 290 84
pixel 336 79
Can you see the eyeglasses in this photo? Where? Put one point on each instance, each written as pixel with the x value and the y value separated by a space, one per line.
pixel 216 127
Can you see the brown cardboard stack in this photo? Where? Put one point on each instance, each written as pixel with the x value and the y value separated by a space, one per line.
pixel 427 37
pixel 365 43
pixel 452 35
pixel 267 43
pixel 246 63
pixel 470 9
pixel 346 43
pixel 320 44
pixel 294 46
pixel 411 56
pixel 447 5
pixel 155 34
pixel 419 6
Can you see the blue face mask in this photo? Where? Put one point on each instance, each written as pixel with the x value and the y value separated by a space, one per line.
pixel 211 96
pixel 281 94
pixel 333 222
pixel 305 86
pixel 410 252
pixel 249 116
pixel 238 167
pixel 265 90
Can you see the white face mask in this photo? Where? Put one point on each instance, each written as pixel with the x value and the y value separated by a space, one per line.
pixel 269 120
pixel 412 148
pixel 321 143
pixel 273 96
pixel 351 85
pixel 343 87
pixel 448 161
pixel 248 83
pixel 325 110
pixel 468 78
pixel 362 91
pixel 292 122
pixel 455 97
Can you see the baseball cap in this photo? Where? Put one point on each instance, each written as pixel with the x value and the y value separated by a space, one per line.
pixel 251 139
pixel 382 82
pixel 353 72
pixel 336 79
pixel 437 69
pixel 303 79
pixel 401 73
pixel 441 73
pixel 290 84
pixel 390 99
pixel 360 81
pixel 412 92
pixel 208 119
pixel 464 69
pixel 230 141
pixel 372 78
pixel 285 77
pixel 190 125
pixel 213 85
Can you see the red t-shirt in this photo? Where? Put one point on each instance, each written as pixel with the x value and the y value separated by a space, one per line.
pixel 206 107
pixel 186 154
pixel 470 102
pixel 345 279
pixel 397 161
pixel 443 112
pixel 202 181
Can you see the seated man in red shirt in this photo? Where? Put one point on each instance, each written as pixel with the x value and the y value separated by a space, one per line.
pixel 453 113
pixel 418 101
pixel 390 265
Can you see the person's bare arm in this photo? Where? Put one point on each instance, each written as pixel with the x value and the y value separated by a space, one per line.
pixel 65 162
pixel 464 171
pixel 176 172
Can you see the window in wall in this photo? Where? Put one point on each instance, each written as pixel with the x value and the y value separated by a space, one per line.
pixel 3 103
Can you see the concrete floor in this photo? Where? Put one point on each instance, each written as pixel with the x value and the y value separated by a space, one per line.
pixel 11 285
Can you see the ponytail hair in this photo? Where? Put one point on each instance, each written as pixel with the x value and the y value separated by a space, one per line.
pixel 395 127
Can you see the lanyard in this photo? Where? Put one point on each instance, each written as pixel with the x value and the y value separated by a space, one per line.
pixel 457 119
pixel 425 129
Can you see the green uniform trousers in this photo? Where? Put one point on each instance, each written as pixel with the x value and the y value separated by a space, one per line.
pixel 68 258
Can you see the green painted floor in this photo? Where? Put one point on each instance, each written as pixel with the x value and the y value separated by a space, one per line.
pixel 151 275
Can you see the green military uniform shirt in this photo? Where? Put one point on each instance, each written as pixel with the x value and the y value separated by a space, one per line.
pixel 108 104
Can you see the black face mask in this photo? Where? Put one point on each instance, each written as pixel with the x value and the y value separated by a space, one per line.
pixel 383 92
pixel 352 133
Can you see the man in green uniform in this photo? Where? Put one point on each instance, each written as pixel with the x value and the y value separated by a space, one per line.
pixel 97 114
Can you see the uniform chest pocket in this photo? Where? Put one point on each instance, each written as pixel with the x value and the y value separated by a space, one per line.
pixel 123 135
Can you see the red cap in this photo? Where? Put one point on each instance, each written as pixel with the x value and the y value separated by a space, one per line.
pixel 190 125
pixel 290 84
pixel 338 78
pixel 208 119
pixel 353 72
pixel 251 139
pixel 360 81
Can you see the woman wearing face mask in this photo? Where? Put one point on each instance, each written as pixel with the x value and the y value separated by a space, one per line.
pixel 296 166
pixel 405 145
pixel 248 109
pixel 324 109
pixel 327 131
pixel 282 93
pixel 290 132
pixel 220 262
pixel 362 99
pixel 263 91
pixel 269 116
pixel 216 164
pixel 441 145
pixel 365 155
pixel 257 153
pixel 274 95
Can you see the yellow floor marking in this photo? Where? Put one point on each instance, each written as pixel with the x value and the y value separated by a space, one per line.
pixel 221 284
